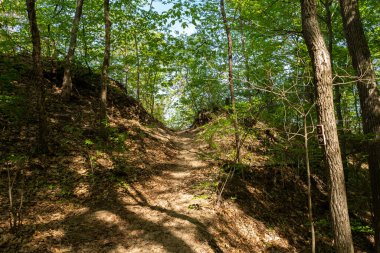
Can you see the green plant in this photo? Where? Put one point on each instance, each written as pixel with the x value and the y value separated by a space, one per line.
pixel 119 140
pixel 16 180
pixel 123 184
pixel 65 192
pixel 324 223
pixel 207 185
pixel 194 207
pixel 13 108
pixel 202 196
pixel 72 130
pixel 358 226
pixel 220 126
pixel 88 142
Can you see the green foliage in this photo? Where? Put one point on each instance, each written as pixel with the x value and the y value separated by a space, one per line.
pixel 15 158
pixel 220 126
pixel 356 226
pixel 359 227
pixel 8 75
pixel 194 207
pixel 65 192
pixel 233 198
pixel 88 142
pixel 77 132
pixel 181 74
pixel 119 140
pixel 323 223
pixel 202 196
pixel 13 108
pixel 123 184
pixel 207 185
pixel 233 169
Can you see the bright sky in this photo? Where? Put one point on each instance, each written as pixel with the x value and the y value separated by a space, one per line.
pixel 160 7
pixel 176 30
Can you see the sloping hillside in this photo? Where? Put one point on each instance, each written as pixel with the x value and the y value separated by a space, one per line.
pixel 143 188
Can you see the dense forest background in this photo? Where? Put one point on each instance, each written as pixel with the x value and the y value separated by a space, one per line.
pixel 288 86
pixel 174 55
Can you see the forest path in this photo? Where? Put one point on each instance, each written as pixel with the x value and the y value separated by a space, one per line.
pixel 167 212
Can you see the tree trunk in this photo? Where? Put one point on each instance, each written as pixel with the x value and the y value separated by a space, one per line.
pixel 67 84
pixel 106 62
pixel 308 170
pixel 230 80
pixel 53 56
pixel 369 99
pixel 38 77
pixel 153 93
pixel 126 80
pixel 138 68
pixel 325 107
pixel 337 96
pixel 85 48
pixel 246 62
pixel 126 71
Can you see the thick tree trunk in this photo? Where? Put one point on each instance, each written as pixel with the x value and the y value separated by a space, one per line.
pixel 231 80
pixel 67 84
pixel 38 78
pixel 337 94
pixel 325 106
pixel 106 62
pixel 369 99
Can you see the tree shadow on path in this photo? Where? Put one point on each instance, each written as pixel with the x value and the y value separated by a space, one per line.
pixel 107 223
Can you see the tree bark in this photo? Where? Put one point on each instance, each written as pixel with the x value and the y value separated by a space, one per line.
pixel 308 170
pixel 138 68
pixel 153 93
pixel 325 107
pixel 52 55
pixel 369 99
pixel 85 48
pixel 126 71
pixel 38 78
pixel 231 80
pixel 246 62
pixel 126 80
pixel 67 84
pixel 106 62
pixel 337 93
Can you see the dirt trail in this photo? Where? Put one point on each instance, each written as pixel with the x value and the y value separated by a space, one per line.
pixel 161 214
pixel 174 220
pixel 170 209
